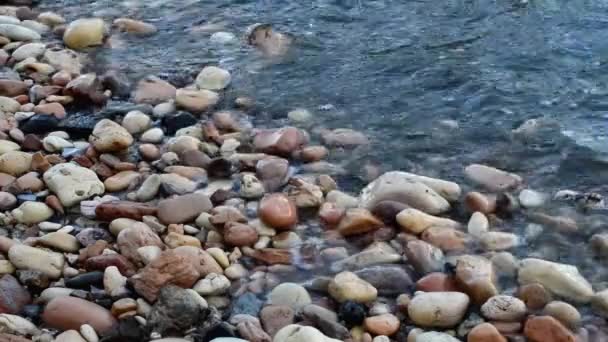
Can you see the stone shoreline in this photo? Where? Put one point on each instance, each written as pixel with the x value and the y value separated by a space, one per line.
pixel 167 216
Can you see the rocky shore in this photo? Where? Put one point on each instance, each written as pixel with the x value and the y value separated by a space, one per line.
pixel 146 211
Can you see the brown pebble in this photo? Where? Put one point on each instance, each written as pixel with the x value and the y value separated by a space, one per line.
pixel 101 262
pixel 31 143
pixel 437 282
pixel 485 332
pixel 547 329
pixel 273 256
pixel 13 297
pixel 55 204
pixel 238 234
pixel 534 295
pixel 476 201
pixel 278 211
pixel 56 315
pixel 123 209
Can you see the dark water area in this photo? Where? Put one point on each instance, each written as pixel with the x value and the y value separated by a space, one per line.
pixel 397 70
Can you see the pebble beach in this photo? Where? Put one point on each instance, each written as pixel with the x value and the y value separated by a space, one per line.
pixel 153 209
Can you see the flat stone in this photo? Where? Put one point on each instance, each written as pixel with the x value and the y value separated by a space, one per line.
pixel 491 178
pixel 561 279
pixel 289 294
pixel 29 258
pixel 184 208
pixel 396 186
pixel 84 33
pixel 80 312
pixel 438 309
pixel 547 329
pixel 348 286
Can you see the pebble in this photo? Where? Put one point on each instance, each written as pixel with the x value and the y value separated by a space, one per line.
pixel 565 313
pixel 358 221
pixel 184 208
pixel 416 222
pixel 81 312
pixel 212 285
pixel 121 181
pixel 281 142
pixel 561 279
pixel 134 26
pixel 13 296
pixel 152 90
pixel 491 178
pixel 213 78
pixel 136 122
pixel 196 101
pixel 348 286
pixel 153 136
pixel 386 324
pixel 70 336
pixel 438 309
pixel 478 224
pixel 547 328
pixel 401 187
pixel 485 332
pixel 61 241
pixel 18 33
pixel 289 294
pixel 434 336
pixel 475 275
pixel 15 163
pixel 108 136
pixel 298 333
pixel 277 211
pixel 32 212
pixel 13 324
pixel 424 257
pixel 84 33
pixel 89 333
pixel 531 199
pixel 504 308
pixel 114 283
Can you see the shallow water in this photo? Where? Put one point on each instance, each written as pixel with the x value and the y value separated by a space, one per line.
pixel 395 70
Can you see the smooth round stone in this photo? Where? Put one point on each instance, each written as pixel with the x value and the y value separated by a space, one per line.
pixel 213 78
pixel 561 279
pixel 18 32
pixel 348 286
pixel 28 50
pixel 153 136
pixel 563 312
pixel 531 199
pixel 504 308
pixel 29 258
pixel 84 33
pixel 237 234
pixel 478 224
pixel 136 122
pixel 7 200
pixel 32 212
pixel 80 312
pixel 121 181
pixel 438 309
pixel 547 328
pixel 485 332
pixel 15 163
pixel 289 294
pixel 108 136
pixel 196 101
pixel 55 144
pixel 8 146
pixel 277 211
pixel 386 324
pixel 298 333
pixel 498 241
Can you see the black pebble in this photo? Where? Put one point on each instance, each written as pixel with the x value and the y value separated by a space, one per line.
pixel 352 313
pixel 39 124
pixel 85 280
pixel 177 121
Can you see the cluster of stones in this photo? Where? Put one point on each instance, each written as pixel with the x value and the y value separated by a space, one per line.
pixel 171 219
